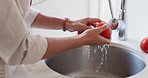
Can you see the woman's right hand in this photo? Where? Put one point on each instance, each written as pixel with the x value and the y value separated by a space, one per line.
pixel 92 37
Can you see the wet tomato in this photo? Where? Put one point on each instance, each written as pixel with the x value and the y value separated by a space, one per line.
pixel 106 33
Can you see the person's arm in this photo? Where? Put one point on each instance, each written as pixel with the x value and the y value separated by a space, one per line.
pixel 89 37
pixel 46 22
pixel 60 45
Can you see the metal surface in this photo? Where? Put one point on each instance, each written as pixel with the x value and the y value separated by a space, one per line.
pixel 120 63
pixel 119 24
pixel 123 6
pixel 111 8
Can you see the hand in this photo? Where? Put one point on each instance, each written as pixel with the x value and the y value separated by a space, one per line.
pixel 92 37
pixel 80 25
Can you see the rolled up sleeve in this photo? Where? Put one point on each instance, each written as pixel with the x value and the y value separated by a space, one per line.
pixel 31 16
pixel 37 46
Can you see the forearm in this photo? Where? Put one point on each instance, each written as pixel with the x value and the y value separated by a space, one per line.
pixel 88 37
pixel 46 22
pixel 60 45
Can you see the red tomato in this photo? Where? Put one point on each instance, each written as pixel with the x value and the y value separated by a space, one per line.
pixel 91 24
pixel 88 24
pixel 106 33
pixel 144 45
pixel 100 24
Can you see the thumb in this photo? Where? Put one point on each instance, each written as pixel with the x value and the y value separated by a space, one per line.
pixel 102 28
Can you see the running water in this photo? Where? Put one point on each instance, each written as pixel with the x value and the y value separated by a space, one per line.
pixel 102 65
pixel 104 52
pixel 97 64
pixel 92 52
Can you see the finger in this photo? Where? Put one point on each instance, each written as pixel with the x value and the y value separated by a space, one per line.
pixel 93 20
pixel 87 27
pixel 91 24
pixel 101 28
pixel 83 28
pixel 104 40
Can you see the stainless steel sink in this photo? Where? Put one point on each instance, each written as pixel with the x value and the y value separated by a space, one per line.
pixel 122 61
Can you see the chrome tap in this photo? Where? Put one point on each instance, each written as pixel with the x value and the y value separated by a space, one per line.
pixel 119 24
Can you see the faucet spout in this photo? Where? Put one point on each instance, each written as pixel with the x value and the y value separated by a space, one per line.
pixel 122 33
pixel 121 27
pixel 120 24
pixel 122 30
pixel 122 15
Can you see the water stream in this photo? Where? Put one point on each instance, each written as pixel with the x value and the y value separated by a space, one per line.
pixel 92 54
pixel 97 64
pixel 100 69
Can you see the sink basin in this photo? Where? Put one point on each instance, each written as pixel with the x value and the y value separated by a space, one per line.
pixel 121 62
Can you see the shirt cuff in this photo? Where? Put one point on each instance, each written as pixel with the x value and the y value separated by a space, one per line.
pixel 31 16
pixel 36 49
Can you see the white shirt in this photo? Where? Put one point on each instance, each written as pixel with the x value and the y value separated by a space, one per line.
pixel 17 44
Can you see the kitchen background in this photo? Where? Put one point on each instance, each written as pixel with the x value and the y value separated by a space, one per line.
pixel 76 9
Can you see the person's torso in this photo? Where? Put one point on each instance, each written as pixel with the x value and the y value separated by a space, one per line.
pixel 23 7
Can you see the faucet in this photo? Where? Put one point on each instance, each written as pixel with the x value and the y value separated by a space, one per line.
pixel 119 24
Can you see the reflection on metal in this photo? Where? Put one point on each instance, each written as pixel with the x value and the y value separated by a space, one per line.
pixel 121 62
pixel 119 24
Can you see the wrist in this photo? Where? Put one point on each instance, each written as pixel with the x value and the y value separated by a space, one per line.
pixel 81 39
pixel 65 24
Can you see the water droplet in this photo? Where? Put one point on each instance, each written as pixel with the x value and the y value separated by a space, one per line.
pixel 92 51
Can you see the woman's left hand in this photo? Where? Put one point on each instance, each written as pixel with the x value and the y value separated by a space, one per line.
pixel 80 25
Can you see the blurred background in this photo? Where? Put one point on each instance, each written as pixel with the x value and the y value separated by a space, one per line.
pixel 76 9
